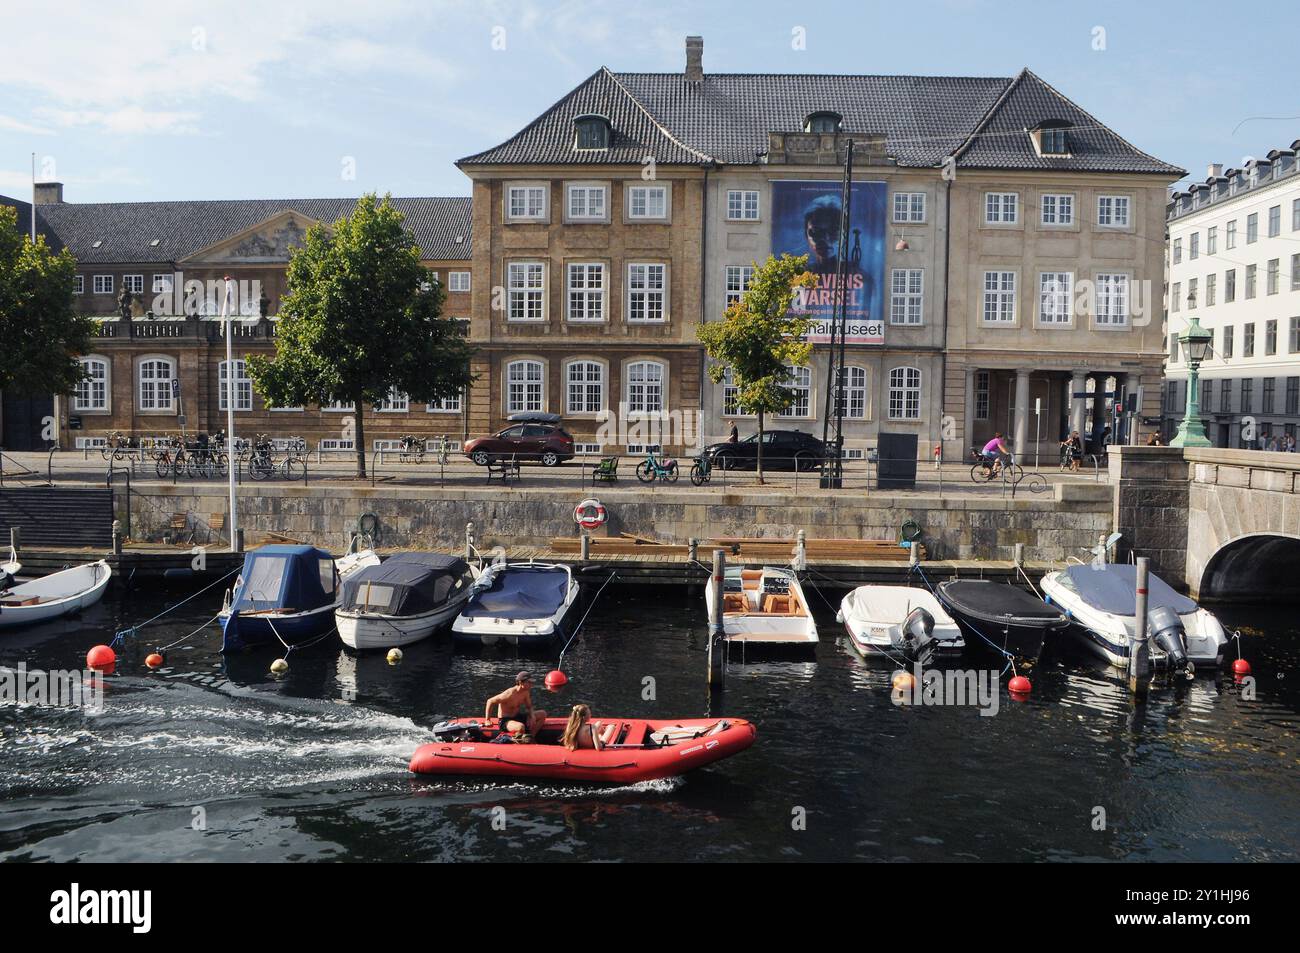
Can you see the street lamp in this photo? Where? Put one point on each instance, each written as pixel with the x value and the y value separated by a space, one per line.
pixel 1196 345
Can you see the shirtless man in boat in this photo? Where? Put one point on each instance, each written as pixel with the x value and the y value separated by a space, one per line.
pixel 514 708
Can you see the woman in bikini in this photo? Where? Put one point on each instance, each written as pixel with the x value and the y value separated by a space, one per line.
pixel 580 732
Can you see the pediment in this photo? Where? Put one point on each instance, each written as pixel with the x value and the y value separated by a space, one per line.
pixel 268 242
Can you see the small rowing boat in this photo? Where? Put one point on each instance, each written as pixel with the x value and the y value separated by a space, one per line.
pixel 57 594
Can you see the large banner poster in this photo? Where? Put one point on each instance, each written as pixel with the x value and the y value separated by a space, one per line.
pixel 806 217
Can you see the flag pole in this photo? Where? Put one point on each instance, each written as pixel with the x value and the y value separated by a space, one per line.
pixel 33 198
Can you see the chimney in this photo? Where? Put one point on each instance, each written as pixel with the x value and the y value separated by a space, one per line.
pixel 49 193
pixel 1214 170
pixel 694 59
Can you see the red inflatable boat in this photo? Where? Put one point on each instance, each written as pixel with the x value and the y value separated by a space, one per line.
pixel 641 750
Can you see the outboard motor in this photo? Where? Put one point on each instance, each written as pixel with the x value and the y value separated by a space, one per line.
pixel 1166 630
pixel 915 637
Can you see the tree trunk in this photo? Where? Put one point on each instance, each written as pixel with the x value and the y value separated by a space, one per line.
pixel 359 439
pixel 759 457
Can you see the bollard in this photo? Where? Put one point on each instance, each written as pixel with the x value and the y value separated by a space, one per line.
pixel 717 633
pixel 16 538
pixel 693 549
pixel 238 541
pixel 1139 652
pixel 800 551
pixel 1019 557
pixel 1102 555
pixel 913 554
pixel 586 547
pixel 469 542
pixel 117 537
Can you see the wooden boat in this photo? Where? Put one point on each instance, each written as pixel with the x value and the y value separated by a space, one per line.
pixel 521 604
pixel 1000 616
pixel 641 750
pixel 57 594
pixel 764 606
pixel 877 621
pixel 403 600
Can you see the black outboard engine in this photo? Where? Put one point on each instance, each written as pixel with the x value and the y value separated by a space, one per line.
pixel 915 637
pixel 1166 630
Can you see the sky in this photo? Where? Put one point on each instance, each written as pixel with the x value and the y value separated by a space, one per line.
pixel 180 99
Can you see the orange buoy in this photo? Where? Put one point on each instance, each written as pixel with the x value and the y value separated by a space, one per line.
pixel 902 681
pixel 154 660
pixel 101 659
pixel 555 679
pixel 1241 667
pixel 1020 687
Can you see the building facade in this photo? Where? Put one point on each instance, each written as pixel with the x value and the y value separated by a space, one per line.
pixel 1234 263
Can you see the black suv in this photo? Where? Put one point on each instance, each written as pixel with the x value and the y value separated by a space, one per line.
pixel 782 450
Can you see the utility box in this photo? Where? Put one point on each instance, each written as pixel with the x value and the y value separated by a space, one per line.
pixel 896 463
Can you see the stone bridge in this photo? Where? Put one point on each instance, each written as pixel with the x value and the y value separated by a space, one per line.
pixel 1224 523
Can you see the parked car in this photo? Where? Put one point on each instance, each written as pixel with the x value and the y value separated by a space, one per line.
pixel 782 450
pixel 529 437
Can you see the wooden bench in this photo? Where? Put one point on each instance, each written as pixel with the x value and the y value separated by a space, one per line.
pixel 180 526
pixel 606 471
pixel 506 470
pixel 216 525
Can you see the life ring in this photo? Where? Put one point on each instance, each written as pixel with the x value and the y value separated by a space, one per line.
pixel 590 513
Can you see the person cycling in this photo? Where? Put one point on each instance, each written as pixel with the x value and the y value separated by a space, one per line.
pixel 996 453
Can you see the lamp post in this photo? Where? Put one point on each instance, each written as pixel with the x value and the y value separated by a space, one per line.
pixel 228 321
pixel 1196 345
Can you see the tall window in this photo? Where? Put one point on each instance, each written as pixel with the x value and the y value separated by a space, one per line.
pixel 1293 337
pixel 156 383
pixel 1227 341
pixel 909 208
pixel 1295 272
pixel 1194 246
pixel 527 201
pixel 1275 221
pixel 1248 340
pixel 1225 396
pixel 1055 297
pixel 1250 280
pixel 584 387
pixel 1274 270
pixel 1230 240
pixel 738 279
pixel 800 382
pixel 1057 210
pixel 1001 208
pixel 395 403
pixel 854 392
pixel 904 393
pixel 730 394
pixel 1000 297
pixel 645 387
pixel 1113 211
pixel 1293 395
pixel 1270 337
pixel 526 283
pixel 647 201
pixel 906 292
pixel 1268 395
pixel 525 386
pixel 243 386
pixel 92 391
pixel 587 202
pixel 646 293
pixel 1252 228
pixel 1207 395
pixel 1247 396
pixel 1112 300
pixel 1211 282
pixel 982 379
pixel 1295 215
pixel 1178 250
pixel 742 205
pixel 1211 240
pixel 1230 286
pixel 586 291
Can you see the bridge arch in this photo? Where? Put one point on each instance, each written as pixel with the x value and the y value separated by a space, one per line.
pixel 1254 567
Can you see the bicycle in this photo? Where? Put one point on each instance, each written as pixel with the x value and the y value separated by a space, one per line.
pixel 652 468
pixel 986 469
pixel 262 463
pixel 411 449
pixel 702 470
pixel 443 451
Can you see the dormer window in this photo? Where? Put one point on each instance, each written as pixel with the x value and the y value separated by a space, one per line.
pixel 825 122
pixel 591 132
pixel 1051 138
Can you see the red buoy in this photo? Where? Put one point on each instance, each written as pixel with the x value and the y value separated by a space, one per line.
pixel 154 660
pixel 1241 667
pixel 1020 687
pixel 902 681
pixel 101 659
pixel 556 679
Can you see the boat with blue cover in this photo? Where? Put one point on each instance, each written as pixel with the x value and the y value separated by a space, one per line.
pixel 286 595
pixel 521 604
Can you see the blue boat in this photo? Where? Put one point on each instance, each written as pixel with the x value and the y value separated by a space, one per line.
pixel 285 595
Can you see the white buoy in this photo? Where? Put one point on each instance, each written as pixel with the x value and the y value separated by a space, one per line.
pixel 279 666
pixel 394 656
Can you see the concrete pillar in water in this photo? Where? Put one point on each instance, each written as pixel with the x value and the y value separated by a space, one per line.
pixel 717 633
pixel 1139 653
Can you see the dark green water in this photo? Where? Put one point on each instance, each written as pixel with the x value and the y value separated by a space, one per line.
pixel 312 766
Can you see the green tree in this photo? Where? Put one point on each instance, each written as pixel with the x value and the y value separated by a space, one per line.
pixel 362 317
pixel 41 334
pixel 758 340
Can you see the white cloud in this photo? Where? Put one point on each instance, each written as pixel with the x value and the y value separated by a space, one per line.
pixel 9 124
pixel 129 120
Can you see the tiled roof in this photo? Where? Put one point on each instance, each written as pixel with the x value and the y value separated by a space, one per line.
pixel 726 118
pixel 24 225
pixel 126 229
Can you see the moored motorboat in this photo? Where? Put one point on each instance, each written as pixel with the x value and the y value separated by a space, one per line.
pixel 763 606
pixel 1101 601
pixel 286 595
pixel 640 749
pixel 406 598
pixel 1000 616
pixel 58 594
pixel 520 604
pixel 880 620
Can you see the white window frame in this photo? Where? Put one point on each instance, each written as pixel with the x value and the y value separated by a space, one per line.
pixel 907 297
pixel 585 388
pixel 1056 209
pixel 643 194
pixel 642 295
pixel 904 393
pixel 640 386
pixel 134 283
pixel 801 381
pixel 1111 297
pixel 1001 208
pixel 337 407
pixel 243 386
pixel 395 403
pixel 730 407
pixel 591 297
pixel 102 284
pixel 1001 299
pixel 742 205
pixel 525 379
pixel 854 393
pixel 458 281
pixel 162 283
pixel 448 405
pixel 909 208
pixel 94 392
pixel 153 393
pixel 587 191
pixel 78 284
pixel 736 281
pixel 1055 288
pixel 520 288
pixel 531 204
pixel 1114 211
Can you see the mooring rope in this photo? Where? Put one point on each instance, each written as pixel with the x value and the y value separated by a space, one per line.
pixel 123 634
pixel 577 628
pixel 1000 649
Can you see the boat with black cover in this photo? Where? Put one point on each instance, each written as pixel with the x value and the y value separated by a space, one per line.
pixel 1000 616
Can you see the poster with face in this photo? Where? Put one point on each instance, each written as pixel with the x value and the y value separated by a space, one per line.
pixel 806 217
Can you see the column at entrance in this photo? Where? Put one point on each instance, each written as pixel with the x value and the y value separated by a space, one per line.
pixel 1020 439
pixel 1078 401
pixel 1131 384
pixel 1099 420
pixel 968 422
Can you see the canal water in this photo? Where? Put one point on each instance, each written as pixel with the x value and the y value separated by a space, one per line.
pixel 215 759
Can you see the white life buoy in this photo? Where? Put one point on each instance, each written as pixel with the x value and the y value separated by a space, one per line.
pixel 590 513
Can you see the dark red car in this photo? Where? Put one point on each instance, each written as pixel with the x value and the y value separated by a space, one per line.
pixel 529 437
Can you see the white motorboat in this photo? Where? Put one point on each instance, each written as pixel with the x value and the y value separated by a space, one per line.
pixel 57 594
pixel 764 606
pixel 403 600
pixel 1101 601
pixel 522 604
pixel 879 621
